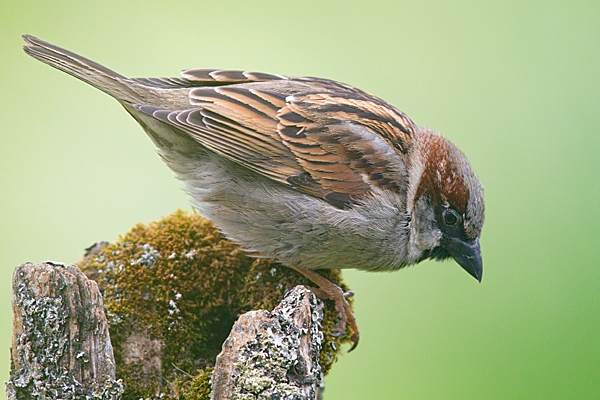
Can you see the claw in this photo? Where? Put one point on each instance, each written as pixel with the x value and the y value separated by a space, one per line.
pixel 354 339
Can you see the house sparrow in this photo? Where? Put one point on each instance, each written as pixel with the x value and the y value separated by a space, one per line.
pixel 312 172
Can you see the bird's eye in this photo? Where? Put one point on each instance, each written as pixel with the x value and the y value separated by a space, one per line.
pixel 451 217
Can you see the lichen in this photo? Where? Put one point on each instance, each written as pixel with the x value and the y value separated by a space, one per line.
pixel 180 282
pixel 43 346
pixel 269 365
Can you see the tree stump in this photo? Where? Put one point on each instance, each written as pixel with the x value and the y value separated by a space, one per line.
pixel 61 345
pixel 153 316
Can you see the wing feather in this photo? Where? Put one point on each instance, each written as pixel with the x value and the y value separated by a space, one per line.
pixel 320 137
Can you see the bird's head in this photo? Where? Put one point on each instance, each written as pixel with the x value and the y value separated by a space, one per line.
pixel 445 200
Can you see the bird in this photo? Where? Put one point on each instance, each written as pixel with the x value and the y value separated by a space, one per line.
pixel 311 172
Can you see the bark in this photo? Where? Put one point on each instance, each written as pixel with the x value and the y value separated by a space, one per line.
pixel 273 355
pixel 61 347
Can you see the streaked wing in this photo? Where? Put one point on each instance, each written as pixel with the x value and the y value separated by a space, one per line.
pixel 242 133
pixel 317 136
pixel 347 143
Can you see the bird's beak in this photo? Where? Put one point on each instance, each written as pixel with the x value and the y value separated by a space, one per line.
pixel 467 256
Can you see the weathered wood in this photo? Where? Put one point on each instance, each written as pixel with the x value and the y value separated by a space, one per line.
pixel 61 346
pixel 273 354
pixel 62 350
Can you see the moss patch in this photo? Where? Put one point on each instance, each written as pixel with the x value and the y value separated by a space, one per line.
pixel 179 285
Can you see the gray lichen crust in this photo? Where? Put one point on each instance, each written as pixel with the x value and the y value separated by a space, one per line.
pixel 61 346
pixel 273 354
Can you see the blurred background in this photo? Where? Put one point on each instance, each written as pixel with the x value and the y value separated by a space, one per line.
pixel 515 85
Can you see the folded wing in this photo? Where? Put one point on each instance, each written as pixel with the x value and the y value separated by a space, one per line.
pixel 317 136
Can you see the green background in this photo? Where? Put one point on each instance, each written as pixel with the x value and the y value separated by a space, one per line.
pixel 515 85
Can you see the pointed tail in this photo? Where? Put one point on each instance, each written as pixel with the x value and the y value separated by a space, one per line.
pixel 88 71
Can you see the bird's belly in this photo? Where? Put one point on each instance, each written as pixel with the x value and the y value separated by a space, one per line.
pixel 271 220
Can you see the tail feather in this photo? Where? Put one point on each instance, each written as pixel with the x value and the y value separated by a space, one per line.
pixel 80 67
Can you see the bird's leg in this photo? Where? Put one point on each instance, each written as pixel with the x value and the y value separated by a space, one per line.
pixel 331 291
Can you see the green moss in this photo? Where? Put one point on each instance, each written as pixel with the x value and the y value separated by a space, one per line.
pixel 181 285
pixel 197 387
